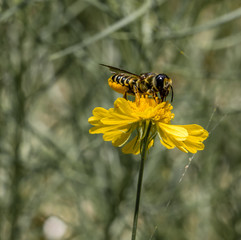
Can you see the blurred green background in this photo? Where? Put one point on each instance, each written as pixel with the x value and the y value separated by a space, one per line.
pixel 59 182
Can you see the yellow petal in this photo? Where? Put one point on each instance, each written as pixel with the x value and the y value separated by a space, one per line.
pixel 180 145
pixel 193 147
pixel 122 107
pixel 118 119
pixel 167 144
pixel 192 143
pixel 96 130
pixel 165 139
pixel 100 112
pixel 196 130
pixel 151 143
pixel 197 135
pixel 123 138
pixel 176 131
pixel 114 135
pixel 108 128
pixel 132 147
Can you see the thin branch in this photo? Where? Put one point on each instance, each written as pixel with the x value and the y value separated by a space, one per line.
pixel 46 141
pixel 209 25
pixel 11 11
pixel 111 29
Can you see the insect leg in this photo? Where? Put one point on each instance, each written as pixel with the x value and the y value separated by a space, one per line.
pixel 154 95
pixel 157 100
pixel 137 94
pixel 125 95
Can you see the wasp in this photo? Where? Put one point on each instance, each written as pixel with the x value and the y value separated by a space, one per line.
pixel 149 83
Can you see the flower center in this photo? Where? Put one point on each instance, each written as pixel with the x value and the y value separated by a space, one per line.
pixel 148 108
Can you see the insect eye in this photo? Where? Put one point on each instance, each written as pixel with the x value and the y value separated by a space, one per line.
pixel 159 81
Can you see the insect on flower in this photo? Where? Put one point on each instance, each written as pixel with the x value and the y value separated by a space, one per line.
pixel 149 83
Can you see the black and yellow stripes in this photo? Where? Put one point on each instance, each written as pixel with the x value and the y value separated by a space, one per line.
pixel 123 80
pixel 122 83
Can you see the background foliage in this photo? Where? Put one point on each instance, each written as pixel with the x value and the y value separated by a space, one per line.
pixel 50 82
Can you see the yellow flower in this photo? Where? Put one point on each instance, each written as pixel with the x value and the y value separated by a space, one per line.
pixel 117 125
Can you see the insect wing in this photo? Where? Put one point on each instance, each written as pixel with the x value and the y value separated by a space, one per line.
pixel 119 71
pixel 147 75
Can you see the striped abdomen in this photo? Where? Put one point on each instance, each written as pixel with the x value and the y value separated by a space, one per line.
pixel 122 83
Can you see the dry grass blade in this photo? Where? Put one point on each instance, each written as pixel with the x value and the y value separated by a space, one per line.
pixel 111 29
pixel 209 25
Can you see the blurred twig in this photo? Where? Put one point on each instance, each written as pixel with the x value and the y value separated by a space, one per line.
pixel 71 13
pixel 46 141
pixel 209 25
pixel 61 69
pixel 112 28
pixel 11 11
pixel 226 42
pixel 19 115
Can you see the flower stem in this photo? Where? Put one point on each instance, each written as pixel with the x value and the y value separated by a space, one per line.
pixel 144 147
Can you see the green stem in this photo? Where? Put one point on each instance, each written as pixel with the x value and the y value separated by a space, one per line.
pixel 144 147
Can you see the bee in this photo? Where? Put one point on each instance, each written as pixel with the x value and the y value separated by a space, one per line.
pixel 149 83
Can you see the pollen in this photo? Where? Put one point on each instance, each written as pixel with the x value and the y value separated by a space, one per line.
pixel 149 108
